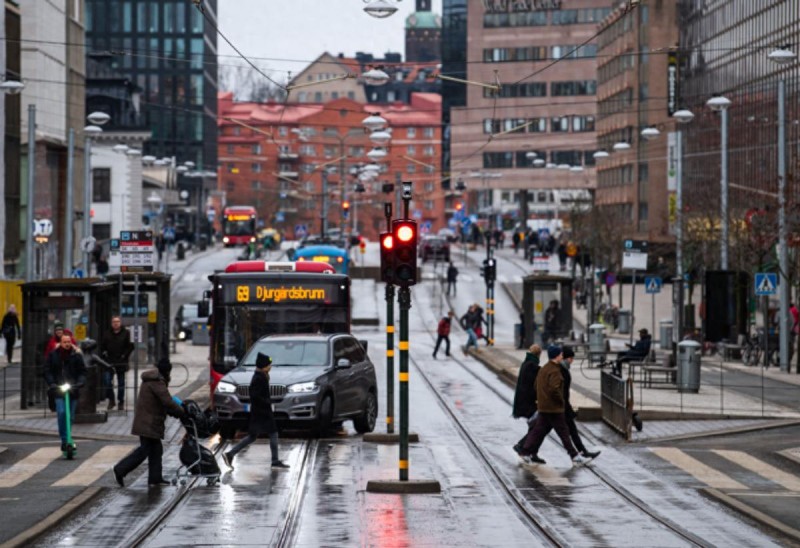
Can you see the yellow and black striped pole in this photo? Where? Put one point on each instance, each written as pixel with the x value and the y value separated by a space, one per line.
pixel 389 359
pixel 405 305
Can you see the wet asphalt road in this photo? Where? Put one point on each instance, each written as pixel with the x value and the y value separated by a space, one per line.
pixel 252 504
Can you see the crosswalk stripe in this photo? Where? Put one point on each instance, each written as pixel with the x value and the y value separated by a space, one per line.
pixel 692 466
pixel 94 466
pixel 29 466
pixel 763 469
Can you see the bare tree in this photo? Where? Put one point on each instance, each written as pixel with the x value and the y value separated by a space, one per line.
pixel 247 84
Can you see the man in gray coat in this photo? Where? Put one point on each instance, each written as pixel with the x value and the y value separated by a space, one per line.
pixel 152 408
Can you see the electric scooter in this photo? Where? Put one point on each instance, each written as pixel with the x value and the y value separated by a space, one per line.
pixel 71 448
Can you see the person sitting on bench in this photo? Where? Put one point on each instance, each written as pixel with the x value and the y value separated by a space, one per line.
pixel 637 352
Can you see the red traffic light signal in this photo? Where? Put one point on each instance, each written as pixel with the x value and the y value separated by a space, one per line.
pixel 345 205
pixel 387 257
pixel 405 252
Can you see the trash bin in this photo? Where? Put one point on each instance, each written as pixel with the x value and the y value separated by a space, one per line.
pixel 688 366
pixel 518 341
pixel 624 325
pixel 202 242
pixel 597 343
pixel 665 334
pixel 180 251
pixel 200 333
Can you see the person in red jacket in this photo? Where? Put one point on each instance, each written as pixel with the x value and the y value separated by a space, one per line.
pixel 55 340
pixel 443 332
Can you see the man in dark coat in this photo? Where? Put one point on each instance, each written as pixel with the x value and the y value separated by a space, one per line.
pixel 525 393
pixel 262 420
pixel 452 276
pixel 569 412
pixel 11 331
pixel 65 371
pixel 152 407
pixel 115 348
pixel 638 351
pixel 551 407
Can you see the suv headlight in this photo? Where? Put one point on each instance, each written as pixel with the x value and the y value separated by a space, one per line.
pixel 302 387
pixel 226 388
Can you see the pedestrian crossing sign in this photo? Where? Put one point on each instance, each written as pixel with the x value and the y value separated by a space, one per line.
pixel 766 283
pixel 652 285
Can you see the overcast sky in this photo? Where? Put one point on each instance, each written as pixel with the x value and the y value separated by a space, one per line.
pixel 285 35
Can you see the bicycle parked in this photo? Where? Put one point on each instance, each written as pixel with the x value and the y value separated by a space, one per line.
pixel 753 351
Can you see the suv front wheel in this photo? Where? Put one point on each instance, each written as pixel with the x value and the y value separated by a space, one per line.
pixel 366 421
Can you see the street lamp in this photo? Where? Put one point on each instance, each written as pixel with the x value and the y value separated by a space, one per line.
pixel 782 56
pixel 720 104
pixel 650 133
pixel 380 9
pixel 96 119
pixel 8 87
pixel 600 155
pixel 375 77
pixel 621 145
pixel 374 122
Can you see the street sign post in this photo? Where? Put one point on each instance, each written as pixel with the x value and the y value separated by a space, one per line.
pixel 136 250
pixel 652 286
pixel 766 285
pixel 634 257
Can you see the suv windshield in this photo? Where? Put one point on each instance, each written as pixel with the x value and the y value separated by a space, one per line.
pixel 289 353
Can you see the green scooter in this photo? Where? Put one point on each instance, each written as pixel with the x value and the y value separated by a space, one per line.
pixel 71 448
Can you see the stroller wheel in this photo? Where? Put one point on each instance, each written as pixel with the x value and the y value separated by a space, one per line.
pixel 174 481
pixel 211 481
pixel 183 482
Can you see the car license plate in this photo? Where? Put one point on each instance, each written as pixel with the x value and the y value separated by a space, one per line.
pixel 247 407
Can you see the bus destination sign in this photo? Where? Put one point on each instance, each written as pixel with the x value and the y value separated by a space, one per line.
pixel 258 293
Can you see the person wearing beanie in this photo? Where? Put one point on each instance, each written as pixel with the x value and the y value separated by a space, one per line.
pixel 551 407
pixel 262 421
pixel 525 392
pixel 569 412
pixel 55 340
pixel 152 407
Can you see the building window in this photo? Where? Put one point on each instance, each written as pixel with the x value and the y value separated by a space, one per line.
pixel 574 87
pixel 101 185
pixel 498 159
pixel 559 124
pixel 411 168
pixel 256 168
pixel 283 131
pixel 101 231
pixel 411 150
pixel 507 91
pixel 256 149
pixel 570 157
pixel 582 123
pixel 428 133
pixel 429 205
pixel 411 132
pixel 256 185
pixel 351 95
pixel 356 151
pixel 429 169
pixel 284 168
pixel 230 149
pixel 429 187
pixel 317 96
pixel 237 130
pixel 308 150
pixel 524 162
pixel 427 151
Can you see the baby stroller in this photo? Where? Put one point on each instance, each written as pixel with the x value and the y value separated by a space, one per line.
pixel 197 460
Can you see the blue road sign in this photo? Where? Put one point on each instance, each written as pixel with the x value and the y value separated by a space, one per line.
pixel 300 231
pixel 77 273
pixel 652 285
pixel 280 217
pixel 766 283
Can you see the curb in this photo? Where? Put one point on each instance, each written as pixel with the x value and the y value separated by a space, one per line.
pixel 75 504
pixel 89 436
pixel 751 512
pixel 724 432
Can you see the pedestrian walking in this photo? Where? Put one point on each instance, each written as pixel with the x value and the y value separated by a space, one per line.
pixel 569 412
pixel 64 372
pixel 452 276
pixel 480 323
pixel 795 330
pixel 443 334
pixel 115 348
pixel 552 318
pixel 152 407
pixel 525 393
pixel 515 240
pixel 550 406
pixel 468 322
pixel 262 421
pixel 11 331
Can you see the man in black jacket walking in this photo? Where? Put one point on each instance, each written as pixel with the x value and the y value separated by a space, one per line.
pixel 525 393
pixel 569 412
pixel 116 348
pixel 262 420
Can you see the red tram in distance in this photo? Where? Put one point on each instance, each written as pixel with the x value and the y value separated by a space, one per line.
pixel 251 299
pixel 238 225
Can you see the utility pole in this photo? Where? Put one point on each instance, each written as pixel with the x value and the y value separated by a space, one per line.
pixel 324 212
pixel 31 181
pixel 70 206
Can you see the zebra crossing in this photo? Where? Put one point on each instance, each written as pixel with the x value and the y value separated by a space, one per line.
pixel 732 470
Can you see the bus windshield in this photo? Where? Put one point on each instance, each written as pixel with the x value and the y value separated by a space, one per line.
pixel 239 228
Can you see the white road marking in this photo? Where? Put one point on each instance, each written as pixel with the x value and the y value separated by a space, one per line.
pixel 789 481
pixel 692 466
pixel 93 468
pixel 29 466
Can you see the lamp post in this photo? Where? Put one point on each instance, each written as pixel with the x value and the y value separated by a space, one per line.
pixel 96 119
pixel 720 104
pixel 782 56
pixel 8 87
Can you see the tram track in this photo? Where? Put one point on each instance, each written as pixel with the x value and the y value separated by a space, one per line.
pixel 287 528
pixel 512 491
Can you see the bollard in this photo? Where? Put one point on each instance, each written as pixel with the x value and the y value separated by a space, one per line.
pixel 597 343
pixel 689 366
pixel 665 334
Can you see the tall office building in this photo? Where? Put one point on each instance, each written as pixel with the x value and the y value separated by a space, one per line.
pixel 169 50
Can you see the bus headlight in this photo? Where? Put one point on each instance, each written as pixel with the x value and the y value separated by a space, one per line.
pixel 225 240
pixel 252 239
pixel 302 388
pixel 226 388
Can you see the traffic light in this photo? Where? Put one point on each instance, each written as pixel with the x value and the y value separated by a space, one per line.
pixel 489 270
pixel 345 209
pixel 405 252
pixel 387 257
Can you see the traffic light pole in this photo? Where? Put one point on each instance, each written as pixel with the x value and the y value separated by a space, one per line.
pixel 490 295
pixel 405 305
pixel 387 209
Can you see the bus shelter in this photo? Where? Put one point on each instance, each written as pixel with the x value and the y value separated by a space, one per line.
pixel 145 310
pixel 538 291
pixel 84 306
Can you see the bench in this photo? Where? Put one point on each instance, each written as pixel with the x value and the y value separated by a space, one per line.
pixel 670 375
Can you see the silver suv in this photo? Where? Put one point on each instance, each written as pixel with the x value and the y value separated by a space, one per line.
pixel 316 381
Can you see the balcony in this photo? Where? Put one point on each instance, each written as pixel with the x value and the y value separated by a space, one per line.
pixel 288 155
pixel 288 174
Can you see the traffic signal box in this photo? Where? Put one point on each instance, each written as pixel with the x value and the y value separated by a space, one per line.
pixel 387 257
pixel 404 233
pixel 345 209
pixel 489 270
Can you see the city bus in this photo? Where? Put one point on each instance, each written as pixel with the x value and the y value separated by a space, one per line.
pixel 250 299
pixel 337 257
pixel 238 225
